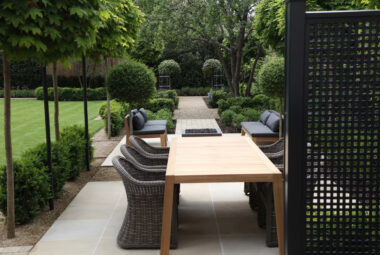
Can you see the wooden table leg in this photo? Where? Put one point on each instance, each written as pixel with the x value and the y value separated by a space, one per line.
pixel 279 208
pixel 167 215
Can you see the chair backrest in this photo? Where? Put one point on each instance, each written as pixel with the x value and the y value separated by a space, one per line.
pixel 139 143
pixel 134 155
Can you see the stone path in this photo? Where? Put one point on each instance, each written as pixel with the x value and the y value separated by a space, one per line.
pixel 194 108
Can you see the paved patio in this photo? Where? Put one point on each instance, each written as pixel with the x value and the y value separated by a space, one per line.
pixel 214 219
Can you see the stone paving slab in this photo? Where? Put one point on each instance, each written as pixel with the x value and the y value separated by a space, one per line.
pixel 214 219
pixel 194 108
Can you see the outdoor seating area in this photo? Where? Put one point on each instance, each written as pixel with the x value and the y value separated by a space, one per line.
pixel 228 127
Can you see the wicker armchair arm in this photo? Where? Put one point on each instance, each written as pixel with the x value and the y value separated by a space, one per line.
pixel 274 147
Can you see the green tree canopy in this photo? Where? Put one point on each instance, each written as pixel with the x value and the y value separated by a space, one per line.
pixel 270 17
pixel 48 30
pixel 120 20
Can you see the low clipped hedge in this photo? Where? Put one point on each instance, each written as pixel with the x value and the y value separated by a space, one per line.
pixel 233 110
pixel 217 95
pixel 71 94
pixel 157 104
pixel 171 94
pixel 31 176
pixel 19 93
pixel 162 114
pixel 118 111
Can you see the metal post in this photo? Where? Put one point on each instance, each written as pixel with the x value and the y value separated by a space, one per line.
pixel 295 148
pixel 85 111
pixel 48 142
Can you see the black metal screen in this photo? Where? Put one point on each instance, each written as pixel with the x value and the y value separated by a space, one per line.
pixel 341 131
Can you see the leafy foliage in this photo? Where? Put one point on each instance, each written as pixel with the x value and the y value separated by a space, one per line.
pixel 270 16
pixel 118 111
pixel 159 103
pixel 48 30
pixel 226 117
pixel 272 77
pixel 120 20
pixel 32 181
pixel 131 82
pixel 25 93
pixel 32 190
pixel 216 95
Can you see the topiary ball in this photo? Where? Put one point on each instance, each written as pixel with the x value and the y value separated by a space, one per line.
pixel 272 77
pixel 169 67
pixel 211 67
pixel 131 82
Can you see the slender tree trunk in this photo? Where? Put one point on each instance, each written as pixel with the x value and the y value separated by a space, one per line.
pixel 8 149
pixel 108 100
pixel 281 131
pixel 251 78
pixel 56 102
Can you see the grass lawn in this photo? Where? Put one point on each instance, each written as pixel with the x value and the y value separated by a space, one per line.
pixel 28 122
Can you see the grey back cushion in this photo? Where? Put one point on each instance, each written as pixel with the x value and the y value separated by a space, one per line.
pixel 144 114
pixel 138 121
pixel 273 122
pixel 134 111
pixel 264 117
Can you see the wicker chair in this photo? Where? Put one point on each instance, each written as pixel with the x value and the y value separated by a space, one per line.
pixel 142 223
pixel 147 150
pixel 261 194
pixel 143 160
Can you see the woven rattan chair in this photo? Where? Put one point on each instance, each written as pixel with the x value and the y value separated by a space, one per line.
pixel 143 160
pixel 142 223
pixel 147 150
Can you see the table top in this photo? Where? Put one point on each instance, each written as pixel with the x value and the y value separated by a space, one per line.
pixel 218 159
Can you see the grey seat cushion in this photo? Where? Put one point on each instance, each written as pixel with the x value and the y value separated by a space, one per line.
pixel 138 121
pixel 264 117
pixel 153 129
pixel 258 129
pixel 156 122
pixel 273 122
pixel 144 114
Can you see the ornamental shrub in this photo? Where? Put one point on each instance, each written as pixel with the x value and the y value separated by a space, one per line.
pixel 60 163
pixel 172 94
pixel 210 68
pixel 236 108
pixel 32 190
pixel 251 114
pixel 223 105
pixel 131 82
pixel 237 119
pixel 165 114
pixel 271 78
pixel 226 117
pixel 73 140
pixel 157 104
pixel 118 111
pixel 171 68
pixel 216 95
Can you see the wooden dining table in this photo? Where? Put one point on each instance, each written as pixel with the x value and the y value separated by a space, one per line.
pixel 218 159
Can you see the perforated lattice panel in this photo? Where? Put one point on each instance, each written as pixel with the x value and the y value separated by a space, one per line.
pixel 342 79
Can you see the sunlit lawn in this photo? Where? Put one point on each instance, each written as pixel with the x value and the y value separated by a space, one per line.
pixel 28 122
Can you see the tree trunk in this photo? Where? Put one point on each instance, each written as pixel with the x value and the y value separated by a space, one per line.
pixel 56 102
pixel 250 81
pixel 8 149
pixel 108 100
pixel 281 131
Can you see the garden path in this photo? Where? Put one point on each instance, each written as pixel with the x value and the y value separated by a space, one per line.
pixel 194 108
